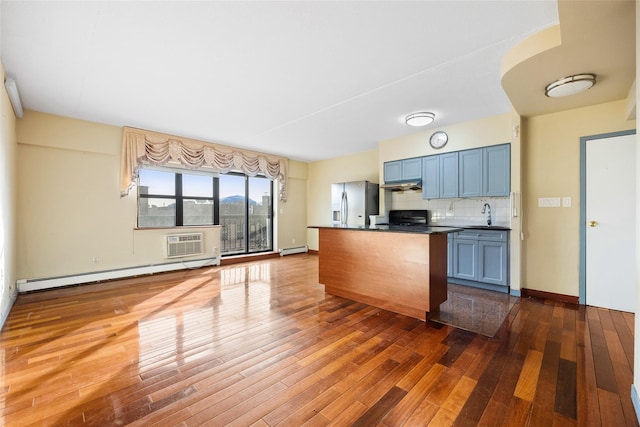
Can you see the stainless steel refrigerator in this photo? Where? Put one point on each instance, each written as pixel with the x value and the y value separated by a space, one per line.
pixel 353 202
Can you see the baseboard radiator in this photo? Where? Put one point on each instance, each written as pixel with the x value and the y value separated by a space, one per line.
pixel 28 285
pixel 295 250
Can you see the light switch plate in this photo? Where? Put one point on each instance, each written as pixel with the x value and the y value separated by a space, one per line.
pixel 549 202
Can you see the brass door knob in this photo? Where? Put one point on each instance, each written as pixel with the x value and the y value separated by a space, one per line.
pixel 593 223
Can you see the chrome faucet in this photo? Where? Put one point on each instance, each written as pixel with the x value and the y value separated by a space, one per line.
pixel 487 209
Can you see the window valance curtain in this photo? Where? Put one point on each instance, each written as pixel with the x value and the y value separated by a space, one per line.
pixel 142 147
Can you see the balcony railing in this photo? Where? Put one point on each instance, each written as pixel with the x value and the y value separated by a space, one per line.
pixel 234 229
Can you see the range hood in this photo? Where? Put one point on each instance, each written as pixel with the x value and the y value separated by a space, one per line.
pixel 403 185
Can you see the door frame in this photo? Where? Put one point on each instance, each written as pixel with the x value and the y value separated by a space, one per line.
pixel 582 276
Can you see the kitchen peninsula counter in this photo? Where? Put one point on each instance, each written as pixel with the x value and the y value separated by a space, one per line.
pixel 398 268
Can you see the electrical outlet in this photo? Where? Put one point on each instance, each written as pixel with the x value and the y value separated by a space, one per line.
pixel 566 202
pixel 95 260
pixel 293 240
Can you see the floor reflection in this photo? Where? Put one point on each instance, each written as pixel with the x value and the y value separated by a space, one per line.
pixel 475 310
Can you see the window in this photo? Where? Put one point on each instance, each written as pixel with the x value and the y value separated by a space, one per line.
pixel 168 199
pixel 246 213
pixel 241 204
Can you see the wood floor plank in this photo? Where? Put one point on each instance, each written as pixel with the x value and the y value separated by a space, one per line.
pixel 260 343
pixel 528 378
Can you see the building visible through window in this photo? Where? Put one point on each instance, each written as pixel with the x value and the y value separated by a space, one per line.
pixel 242 205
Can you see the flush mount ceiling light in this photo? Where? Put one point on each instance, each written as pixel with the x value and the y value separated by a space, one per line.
pixel 570 85
pixel 419 119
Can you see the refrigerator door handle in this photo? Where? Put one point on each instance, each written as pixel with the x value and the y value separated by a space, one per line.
pixel 344 207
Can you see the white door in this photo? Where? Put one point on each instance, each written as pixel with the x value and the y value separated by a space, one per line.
pixel 611 217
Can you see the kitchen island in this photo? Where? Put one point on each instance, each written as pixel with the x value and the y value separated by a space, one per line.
pixel 398 268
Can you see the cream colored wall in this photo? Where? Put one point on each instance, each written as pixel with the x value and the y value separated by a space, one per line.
pixel 70 208
pixel 551 156
pixel 356 167
pixel 8 213
pixel 292 214
pixel 477 133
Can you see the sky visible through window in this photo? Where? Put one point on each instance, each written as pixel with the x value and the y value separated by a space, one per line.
pixel 160 182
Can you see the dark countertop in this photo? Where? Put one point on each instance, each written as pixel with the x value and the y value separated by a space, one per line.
pixel 483 227
pixel 416 229
pixel 419 229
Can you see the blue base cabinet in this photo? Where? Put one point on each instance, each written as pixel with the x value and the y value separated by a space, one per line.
pixel 480 258
pixel 465 258
pixel 492 262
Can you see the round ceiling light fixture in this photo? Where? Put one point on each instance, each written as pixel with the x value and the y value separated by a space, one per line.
pixel 420 119
pixel 570 85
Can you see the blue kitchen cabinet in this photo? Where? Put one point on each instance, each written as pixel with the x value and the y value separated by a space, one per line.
pixel 492 262
pixel 431 177
pixel 448 175
pixel 470 174
pixel 465 258
pixel 393 171
pixel 485 171
pixel 412 168
pixel 403 170
pixel 496 164
pixel 479 258
pixel 440 176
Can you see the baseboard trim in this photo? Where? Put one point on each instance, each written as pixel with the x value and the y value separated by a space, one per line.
pixel 313 252
pixel 248 258
pixel 39 284
pixel 570 299
pixel 7 309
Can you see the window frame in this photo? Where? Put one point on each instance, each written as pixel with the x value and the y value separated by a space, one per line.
pixel 179 199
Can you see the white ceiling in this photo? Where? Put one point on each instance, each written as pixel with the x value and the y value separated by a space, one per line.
pixel 308 80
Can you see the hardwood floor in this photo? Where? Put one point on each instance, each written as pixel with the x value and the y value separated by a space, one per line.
pixel 261 344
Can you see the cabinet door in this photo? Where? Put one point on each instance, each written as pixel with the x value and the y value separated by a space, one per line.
pixel 412 168
pixel 492 262
pixel 470 164
pixel 448 175
pixel 497 170
pixel 393 171
pixel 430 177
pixel 465 256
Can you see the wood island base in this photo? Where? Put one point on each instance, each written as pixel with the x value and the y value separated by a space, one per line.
pixel 401 272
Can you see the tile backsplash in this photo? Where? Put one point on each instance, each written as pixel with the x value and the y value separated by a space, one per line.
pixel 466 211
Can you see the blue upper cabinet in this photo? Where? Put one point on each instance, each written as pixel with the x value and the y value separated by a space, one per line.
pixel 431 177
pixel 440 176
pixel 470 172
pixel 497 170
pixel 403 170
pixel 393 171
pixel 412 168
pixel 485 171
pixel 448 175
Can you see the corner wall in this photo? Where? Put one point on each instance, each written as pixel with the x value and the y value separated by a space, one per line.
pixel 8 195
pixel 72 218
pixel 356 167
pixel 551 167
